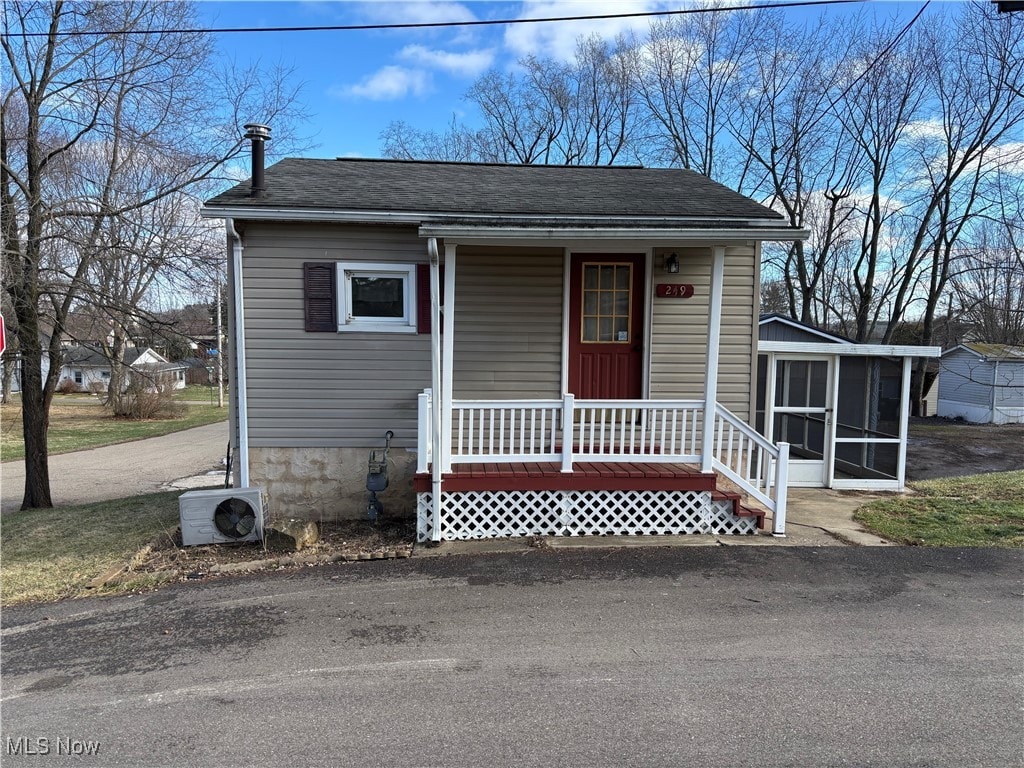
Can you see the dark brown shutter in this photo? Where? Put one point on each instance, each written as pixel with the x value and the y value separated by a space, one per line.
pixel 423 296
pixel 319 281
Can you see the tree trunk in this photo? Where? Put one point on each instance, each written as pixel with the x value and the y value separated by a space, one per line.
pixel 35 416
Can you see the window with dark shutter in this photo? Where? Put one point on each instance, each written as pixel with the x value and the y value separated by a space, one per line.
pixel 423 296
pixel 320 291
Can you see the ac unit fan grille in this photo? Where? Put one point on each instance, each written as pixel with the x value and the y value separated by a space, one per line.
pixel 234 518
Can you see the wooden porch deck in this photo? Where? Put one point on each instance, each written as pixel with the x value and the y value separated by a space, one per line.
pixel 586 476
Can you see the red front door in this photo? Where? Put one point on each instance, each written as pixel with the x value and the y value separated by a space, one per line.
pixel 606 322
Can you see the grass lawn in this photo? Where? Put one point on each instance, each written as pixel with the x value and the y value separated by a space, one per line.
pixel 973 511
pixel 50 554
pixel 201 394
pixel 80 421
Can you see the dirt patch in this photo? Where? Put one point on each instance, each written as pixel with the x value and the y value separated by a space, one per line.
pixel 167 559
pixel 947 448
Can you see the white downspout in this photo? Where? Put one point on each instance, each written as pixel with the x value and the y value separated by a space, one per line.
pixel 242 398
pixel 437 457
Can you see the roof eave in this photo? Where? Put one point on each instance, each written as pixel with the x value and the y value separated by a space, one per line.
pixel 856 349
pixel 469 233
pixel 431 224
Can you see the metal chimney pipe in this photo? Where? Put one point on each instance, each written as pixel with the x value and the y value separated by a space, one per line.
pixel 257 134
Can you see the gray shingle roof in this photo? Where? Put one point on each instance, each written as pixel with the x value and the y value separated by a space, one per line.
pixel 87 355
pixel 586 192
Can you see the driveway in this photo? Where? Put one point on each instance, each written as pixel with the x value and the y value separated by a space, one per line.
pixel 729 656
pixel 127 469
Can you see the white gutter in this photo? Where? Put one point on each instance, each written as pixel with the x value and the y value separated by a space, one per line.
pixel 866 350
pixel 436 401
pixel 238 309
pixel 466 233
pixel 263 212
pixel 299 214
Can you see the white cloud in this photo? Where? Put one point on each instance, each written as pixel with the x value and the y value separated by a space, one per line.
pixel 466 64
pixel 926 129
pixel 387 84
pixel 415 12
pixel 558 39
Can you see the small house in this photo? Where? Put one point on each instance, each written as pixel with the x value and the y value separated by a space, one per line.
pixel 87 367
pixel 556 350
pixel 983 383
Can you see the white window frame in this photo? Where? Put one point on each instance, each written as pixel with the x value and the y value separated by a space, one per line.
pixel 349 269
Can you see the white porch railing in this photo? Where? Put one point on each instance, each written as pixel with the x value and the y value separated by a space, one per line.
pixel 506 431
pixel 753 462
pixel 632 430
pixel 612 431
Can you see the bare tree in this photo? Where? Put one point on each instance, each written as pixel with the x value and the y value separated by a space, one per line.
pixel 685 76
pixel 456 143
pixel 783 122
pixel 988 280
pixel 580 112
pixel 976 87
pixel 108 78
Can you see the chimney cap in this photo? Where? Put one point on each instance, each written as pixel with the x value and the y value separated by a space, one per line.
pixel 257 131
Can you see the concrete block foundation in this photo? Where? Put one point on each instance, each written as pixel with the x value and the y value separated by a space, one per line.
pixel 329 484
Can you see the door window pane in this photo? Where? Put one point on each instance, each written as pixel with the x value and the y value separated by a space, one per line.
pixel 606 303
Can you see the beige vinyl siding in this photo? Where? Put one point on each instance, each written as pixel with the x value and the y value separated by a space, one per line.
pixel 508 323
pixel 325 389
pixel 345 389
pixel 679 329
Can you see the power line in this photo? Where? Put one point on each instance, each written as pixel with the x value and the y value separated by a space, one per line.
pixel 444 24
pixel 884 52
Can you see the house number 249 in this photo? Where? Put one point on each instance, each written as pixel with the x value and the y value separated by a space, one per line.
pixel 674 290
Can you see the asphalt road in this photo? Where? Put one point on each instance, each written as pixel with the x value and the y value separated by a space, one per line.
pixel 118 471
pixel 730 656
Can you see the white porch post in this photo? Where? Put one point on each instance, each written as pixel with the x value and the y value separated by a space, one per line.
pixel 901 467
pixel 435 378
pixel 568 430
pixel 448 356
pixel 714 334
pixel 424 440
pixel 781 491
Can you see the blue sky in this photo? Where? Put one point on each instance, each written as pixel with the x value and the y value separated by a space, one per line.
pixel 356 82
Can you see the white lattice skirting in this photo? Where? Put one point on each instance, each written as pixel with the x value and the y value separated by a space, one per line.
pixel 501 514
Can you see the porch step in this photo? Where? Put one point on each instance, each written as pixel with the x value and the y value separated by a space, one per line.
pixel 743 511
pixel 738 508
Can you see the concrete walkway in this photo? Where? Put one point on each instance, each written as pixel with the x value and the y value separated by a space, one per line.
pixel 127 469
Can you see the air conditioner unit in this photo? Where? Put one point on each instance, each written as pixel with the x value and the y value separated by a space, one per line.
pixel 222 516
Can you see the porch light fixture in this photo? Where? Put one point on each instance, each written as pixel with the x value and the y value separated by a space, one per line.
pixel 672 264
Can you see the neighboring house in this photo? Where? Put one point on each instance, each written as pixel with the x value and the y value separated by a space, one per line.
pixel 89 368
pixel 558 350
pixel 983 383
pixel 843 407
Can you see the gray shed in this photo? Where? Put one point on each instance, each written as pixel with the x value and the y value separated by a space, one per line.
pixel 983 383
